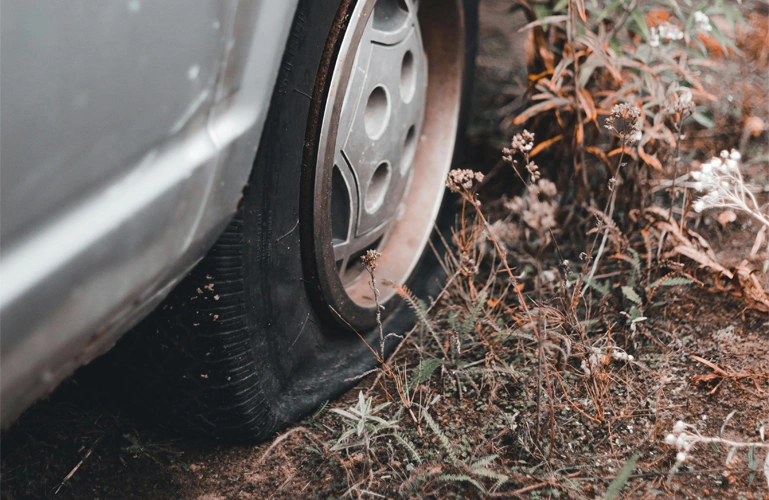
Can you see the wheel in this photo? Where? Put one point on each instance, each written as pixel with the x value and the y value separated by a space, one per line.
pixel 359 138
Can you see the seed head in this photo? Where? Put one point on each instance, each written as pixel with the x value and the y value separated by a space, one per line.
pixel 626 121
pixel 521 143
pixel 684 104
pixel 533 170
pixel 369 260
pixel 463 180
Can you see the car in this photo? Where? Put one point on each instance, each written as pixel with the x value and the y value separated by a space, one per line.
pixel 208 176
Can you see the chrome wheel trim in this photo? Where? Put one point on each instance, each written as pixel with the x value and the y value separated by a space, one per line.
pixel 395 127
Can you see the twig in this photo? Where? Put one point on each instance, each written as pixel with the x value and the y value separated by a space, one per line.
pixel 612 198
pixel 721 374
pixel 72 472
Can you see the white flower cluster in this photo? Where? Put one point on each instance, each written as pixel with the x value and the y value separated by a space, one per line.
pixel 702 22
pixel 684 437
pixel 717 178
pixel 683 441
pixel 595 360
pixel 721 180
pixel 665 32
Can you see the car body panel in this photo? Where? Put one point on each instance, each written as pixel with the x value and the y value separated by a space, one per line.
pixel 128 134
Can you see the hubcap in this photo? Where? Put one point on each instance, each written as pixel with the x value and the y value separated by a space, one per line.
pixel 381 118
pixel 385 145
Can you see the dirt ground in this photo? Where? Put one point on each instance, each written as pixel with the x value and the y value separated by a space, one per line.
pixel 82 442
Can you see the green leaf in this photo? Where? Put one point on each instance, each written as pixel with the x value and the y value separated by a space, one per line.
pixel 469 323
pixel 672 281
pixel 541 10
pixel 444 441
pixel 640 21
pixel 345 414
pixel 636 269
pixel 410 447
pixel 319 411
pixel 704 119
pixel 425 370
pixel 603 289
pixel 631 295
pixel 561 5
pixel 619 482
pixel 677 281
pixel 752 462
pixel 587 69
pixel 609 8
pixel 344 436
pixel 456 478
pixel 483 462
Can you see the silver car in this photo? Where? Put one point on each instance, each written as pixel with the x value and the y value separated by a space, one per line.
pixel 208 175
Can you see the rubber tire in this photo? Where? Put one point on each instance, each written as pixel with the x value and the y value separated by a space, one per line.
pixel 238 349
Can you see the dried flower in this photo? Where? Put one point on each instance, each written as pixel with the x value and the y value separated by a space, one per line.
pixel 533 170
pixel 547 188
pixel 467 265
pixel 521 143
pixel 369 260
pixel 684 104
pixel 626 121
pixel 505 233
pixel 463 180
pixel 537 212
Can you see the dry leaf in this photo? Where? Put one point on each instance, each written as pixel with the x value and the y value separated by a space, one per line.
pixel 703 259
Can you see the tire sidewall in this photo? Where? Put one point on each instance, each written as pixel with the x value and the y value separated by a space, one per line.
pixel 306 356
